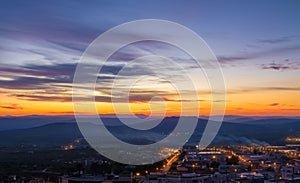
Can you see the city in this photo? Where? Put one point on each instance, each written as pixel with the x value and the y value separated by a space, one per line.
pixel 215 164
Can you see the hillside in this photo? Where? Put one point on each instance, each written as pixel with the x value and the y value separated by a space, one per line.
pixel 254 132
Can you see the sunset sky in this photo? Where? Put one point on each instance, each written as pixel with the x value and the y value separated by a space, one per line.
pixel 256 42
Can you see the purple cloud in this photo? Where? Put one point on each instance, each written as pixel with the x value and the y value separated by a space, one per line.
pixel 283 39
pixel 287 65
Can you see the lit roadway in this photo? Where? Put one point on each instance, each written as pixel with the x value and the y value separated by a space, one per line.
pixel 167 166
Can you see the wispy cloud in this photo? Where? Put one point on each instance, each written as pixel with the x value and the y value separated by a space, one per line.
pixel 229 59
pixel 143 96
pixel 261 54
pixel 36 76
pixel 11 106
pixel 274 104
pixel 286 65
pixel 256 89
pixel 278 40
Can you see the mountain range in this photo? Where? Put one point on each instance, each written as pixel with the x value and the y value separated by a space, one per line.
pixel 61 130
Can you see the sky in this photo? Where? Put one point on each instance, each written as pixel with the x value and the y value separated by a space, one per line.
pixel 256 42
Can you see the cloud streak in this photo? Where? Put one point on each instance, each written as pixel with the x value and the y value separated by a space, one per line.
pixel 12 107
pixel 283 39
pixel 261 89
pixel 286 65
pixel 36 76
pixel 260 54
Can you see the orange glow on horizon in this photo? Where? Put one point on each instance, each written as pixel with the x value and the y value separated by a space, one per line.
pixel 270 103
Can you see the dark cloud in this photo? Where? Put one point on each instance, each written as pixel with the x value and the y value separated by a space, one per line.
pixel 274 104
pixel 77 45
pixel 125 55
pixel 27 83
pixel 12 106
pixel 45 97
pixel 225 59
pixel 255 89
pixel 261 54
pixel 276 40
pixel 54 82
pixel 68 98
pixel 56 71
pixel 111 69
pixel 274 66
pixel 140 96
pixel 44 76
pixel 287 65
pixel 37 76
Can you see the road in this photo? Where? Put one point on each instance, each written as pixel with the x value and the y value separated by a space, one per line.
pixel 170 161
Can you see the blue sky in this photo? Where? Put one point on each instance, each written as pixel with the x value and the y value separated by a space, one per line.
pixel 229 27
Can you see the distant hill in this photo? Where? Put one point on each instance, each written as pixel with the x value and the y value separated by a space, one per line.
pixel 22 122
pixel 262 131
pixel 47 135
pixel 273 131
